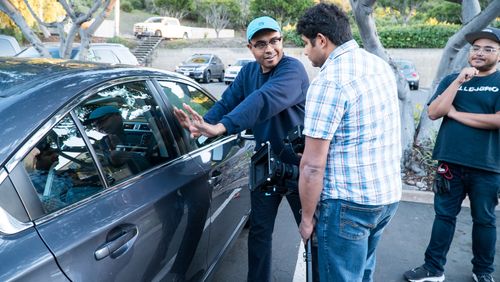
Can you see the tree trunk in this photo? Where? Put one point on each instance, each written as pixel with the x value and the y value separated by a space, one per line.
pixel 452 54
pixel 363 14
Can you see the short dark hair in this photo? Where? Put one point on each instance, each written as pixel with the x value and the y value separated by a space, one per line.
pixel 328 20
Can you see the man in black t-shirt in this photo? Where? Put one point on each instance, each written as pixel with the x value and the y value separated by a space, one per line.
pixel 468 150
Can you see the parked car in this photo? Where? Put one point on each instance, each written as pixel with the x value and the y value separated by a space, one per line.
pixel 409 72
pixel 202 67
pixel 233 70
pixel 98 52
pixel 80 201
pixel 165 27
pixel 8 45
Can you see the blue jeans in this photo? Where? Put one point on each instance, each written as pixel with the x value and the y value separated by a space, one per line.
pixel 348 234
pixel 482 188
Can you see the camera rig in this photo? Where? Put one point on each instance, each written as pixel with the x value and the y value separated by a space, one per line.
pixel 266 168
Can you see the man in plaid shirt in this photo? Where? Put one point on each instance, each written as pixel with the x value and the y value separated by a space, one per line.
pixel 350 168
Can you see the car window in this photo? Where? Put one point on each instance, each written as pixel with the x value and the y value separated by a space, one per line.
pixel 198 60
pixel 124 123
pixel 61 168
pixel 105 56
pixel 178 93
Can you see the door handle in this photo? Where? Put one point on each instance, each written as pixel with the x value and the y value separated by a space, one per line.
pixel 214 177
pixel 123 238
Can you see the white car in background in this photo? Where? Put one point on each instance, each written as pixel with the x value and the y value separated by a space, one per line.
pixel 233 70
pixel 8 45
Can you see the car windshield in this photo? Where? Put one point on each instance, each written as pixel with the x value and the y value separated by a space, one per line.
pixel 404 65
pixel 198 60
pixel 153 20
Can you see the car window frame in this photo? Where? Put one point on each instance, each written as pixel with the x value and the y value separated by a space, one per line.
pixel 15 164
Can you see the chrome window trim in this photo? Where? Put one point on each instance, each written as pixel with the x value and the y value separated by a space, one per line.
pixel 25 148
pixel 8 224
pixel 213 145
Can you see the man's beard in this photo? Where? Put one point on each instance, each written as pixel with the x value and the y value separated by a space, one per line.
pixel 487 67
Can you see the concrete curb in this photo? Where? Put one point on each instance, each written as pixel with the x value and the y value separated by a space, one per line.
pixel 410 194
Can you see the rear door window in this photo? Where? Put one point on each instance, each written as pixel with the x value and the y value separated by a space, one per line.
pixel 61 168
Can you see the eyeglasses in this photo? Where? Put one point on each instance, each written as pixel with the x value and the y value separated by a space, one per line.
pixel 486 50
pixel 262 45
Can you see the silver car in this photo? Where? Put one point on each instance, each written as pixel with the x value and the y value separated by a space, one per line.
pixel 202 67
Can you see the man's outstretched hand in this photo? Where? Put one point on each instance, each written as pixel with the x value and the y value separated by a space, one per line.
pixel 195 124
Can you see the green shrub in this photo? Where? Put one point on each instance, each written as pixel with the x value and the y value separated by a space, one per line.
pixel 399 36
pixel 126 6
pixel 290 37
pixel 120 40
pixel 416 36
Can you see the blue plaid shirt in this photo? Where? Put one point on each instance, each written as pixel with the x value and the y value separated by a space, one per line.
pixel 353 103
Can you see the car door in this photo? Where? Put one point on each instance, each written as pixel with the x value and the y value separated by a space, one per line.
pixel 24 255
pixel 225 161
pixel 130 222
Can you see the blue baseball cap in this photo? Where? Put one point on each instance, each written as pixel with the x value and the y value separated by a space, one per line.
pixel 260 24
pixel 101 112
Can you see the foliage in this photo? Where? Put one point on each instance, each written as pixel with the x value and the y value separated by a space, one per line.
pixel 400 36
pixel 405 9
pixel 126 6
pixel 443 11
pixel 290 37
pixel 50 10
pixel 175 8
pixel 219 13
pixel 416 36
pixel 120 40
pixel 284 11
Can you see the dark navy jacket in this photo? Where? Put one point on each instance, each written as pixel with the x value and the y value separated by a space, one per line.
pixel 270 104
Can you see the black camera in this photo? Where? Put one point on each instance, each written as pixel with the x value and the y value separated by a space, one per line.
pixel 266 169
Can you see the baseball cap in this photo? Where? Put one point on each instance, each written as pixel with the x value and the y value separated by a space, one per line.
pixel 100 112
pixel 260 24
pixel 488 33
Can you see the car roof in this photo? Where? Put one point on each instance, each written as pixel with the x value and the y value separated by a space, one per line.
pixel 33 89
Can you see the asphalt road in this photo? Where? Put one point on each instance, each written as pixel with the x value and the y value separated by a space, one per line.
pixel 402 247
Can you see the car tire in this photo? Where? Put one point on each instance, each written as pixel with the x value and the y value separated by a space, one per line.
pixel 158 33
pixel 221 77
pixel 207 77
pixel 227 82
pixel 415 87
pixel 185 36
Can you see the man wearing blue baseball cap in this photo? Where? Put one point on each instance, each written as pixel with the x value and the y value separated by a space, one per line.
pixel 268 97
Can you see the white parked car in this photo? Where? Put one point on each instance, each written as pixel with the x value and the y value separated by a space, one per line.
pixel 8 46
pixel 165 27
pixel 233 70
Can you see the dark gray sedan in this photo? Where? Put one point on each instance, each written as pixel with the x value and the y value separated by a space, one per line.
pixel 98 181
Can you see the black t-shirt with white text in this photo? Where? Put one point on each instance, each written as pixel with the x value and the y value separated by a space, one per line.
pixel 464 145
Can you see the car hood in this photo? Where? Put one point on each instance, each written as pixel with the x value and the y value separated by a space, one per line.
pixel 192 65
pixel 233 68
